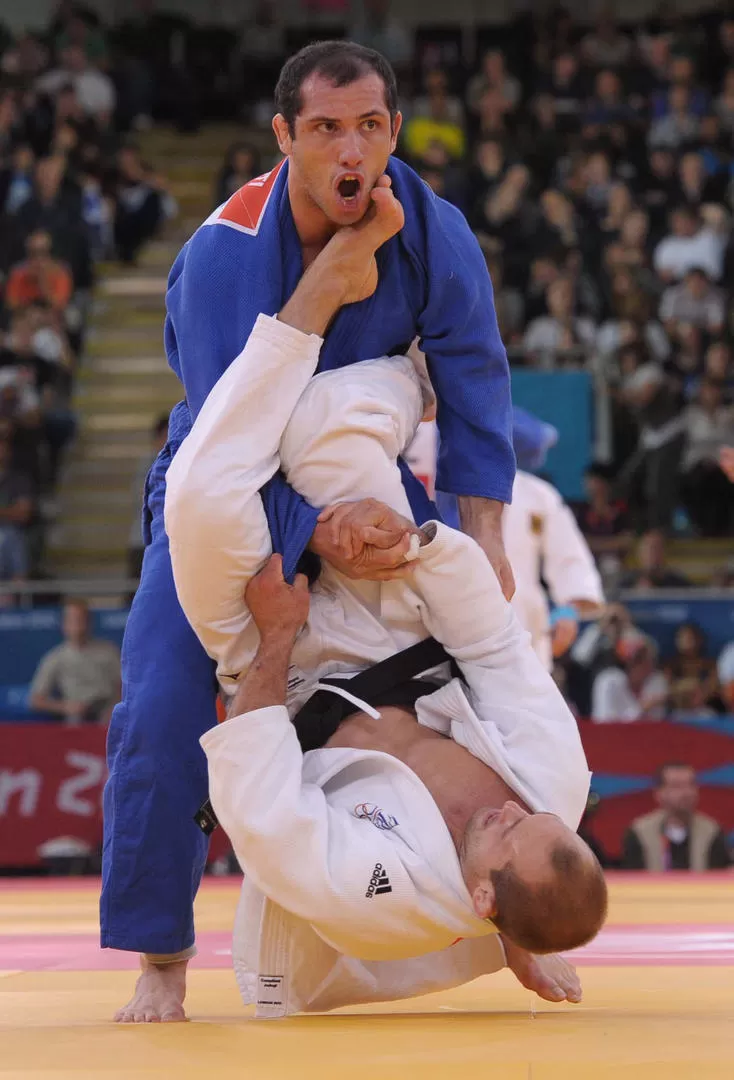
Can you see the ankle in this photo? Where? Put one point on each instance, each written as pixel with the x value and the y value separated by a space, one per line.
pixel 173 968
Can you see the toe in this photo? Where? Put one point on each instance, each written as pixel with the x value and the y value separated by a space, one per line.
pixel 151 1017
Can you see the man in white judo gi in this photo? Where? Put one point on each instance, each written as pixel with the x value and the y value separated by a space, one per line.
pixel 374 863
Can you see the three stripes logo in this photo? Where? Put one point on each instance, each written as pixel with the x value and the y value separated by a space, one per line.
pixel 379 882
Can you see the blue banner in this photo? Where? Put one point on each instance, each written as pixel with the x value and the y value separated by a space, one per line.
pixel 564 399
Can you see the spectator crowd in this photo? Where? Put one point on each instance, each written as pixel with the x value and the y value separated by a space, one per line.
pixel 73 191
pixel 596 167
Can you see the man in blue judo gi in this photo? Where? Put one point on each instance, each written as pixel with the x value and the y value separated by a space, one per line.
pixel 337 126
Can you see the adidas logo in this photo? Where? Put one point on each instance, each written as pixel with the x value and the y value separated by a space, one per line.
pixel 379 882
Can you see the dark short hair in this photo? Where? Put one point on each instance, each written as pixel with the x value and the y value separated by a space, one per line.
pixel 555 916
pixel 342 63
pixel 660 773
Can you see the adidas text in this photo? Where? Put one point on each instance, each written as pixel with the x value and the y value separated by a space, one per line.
pixel 379 882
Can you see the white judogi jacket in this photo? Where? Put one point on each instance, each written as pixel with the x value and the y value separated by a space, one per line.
pixel 353 889
pixel 541 536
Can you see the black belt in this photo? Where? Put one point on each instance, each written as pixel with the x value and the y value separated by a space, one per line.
pixel 391 682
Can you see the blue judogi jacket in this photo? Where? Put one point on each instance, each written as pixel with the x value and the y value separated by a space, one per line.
pixel 433 283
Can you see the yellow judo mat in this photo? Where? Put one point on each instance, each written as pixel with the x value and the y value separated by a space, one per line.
pixel 659 1003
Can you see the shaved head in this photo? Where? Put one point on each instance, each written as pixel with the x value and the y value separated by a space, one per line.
pixel 559 913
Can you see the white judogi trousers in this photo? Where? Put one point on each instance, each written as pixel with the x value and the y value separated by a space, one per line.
pixel 309 917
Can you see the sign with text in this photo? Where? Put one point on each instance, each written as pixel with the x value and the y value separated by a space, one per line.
pixel 51 780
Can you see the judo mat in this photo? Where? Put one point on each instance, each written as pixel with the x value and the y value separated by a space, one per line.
pixel 659 1001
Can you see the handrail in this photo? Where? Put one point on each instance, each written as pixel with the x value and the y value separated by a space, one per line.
pixel 71 587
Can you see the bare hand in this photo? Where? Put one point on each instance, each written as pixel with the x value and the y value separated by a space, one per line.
pixel 564 634
pixel 74 708
pixel 726 461
pixel 482 520
pixel 353 248
pixel 494 549
pixel 277 608
pixel 364 539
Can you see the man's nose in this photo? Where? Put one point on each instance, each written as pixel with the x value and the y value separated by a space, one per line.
pixel 511 813
pixel 350 151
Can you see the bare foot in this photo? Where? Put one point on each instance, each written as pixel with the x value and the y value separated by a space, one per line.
pixel 551 977
pixel 159 995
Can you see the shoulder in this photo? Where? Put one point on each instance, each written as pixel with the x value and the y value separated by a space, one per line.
pixel 703 821
pixel 426 214
pixel 245 209
pixel 105 648
pixel 55 656
pixel 229 242
pixel 651 820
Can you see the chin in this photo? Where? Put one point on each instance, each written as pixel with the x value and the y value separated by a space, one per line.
pixel 347 215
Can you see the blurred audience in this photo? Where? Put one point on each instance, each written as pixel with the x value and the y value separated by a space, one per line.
pixel 652 570
pixel 78 680
pixel 709 426
pixel 725 673
pixel 40 278
pixel 71 193
pixel 16 510
pixel 692 675
pixel 605 521
pixel 638 690
pixel 675 836
pixel 241 165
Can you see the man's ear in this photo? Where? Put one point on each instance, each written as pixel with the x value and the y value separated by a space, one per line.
pixel 483 900
pixel 396 126
pixel 282 134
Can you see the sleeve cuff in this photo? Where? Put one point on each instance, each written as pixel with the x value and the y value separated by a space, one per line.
pixel 270 329
pixel 242 728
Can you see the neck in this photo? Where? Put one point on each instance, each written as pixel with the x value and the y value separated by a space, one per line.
pixel 312 225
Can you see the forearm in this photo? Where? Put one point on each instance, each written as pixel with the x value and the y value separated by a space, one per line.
pixel 480 517
pixel 266 680
pixel 587 609
pixel 48 704
pixel 314 303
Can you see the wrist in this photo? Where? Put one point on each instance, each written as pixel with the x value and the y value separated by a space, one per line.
pixel 277 642
pixel 314 303
pixel 478 513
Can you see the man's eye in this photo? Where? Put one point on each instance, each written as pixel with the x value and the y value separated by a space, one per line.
pixel 371 125
pixel 327 127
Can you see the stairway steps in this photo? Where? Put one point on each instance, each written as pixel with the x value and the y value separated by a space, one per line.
pixel 104 367
pixel 114 316
pixel 123 382
pixel 119 282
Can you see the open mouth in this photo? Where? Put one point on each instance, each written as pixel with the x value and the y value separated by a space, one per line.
pixel 349 188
